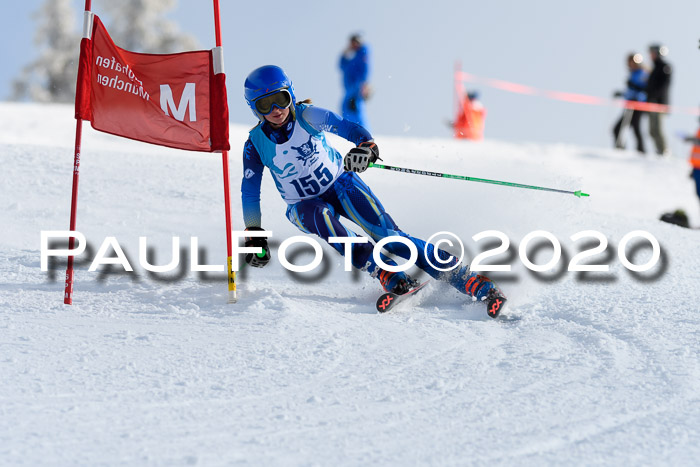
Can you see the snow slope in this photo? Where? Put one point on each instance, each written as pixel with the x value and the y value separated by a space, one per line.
pixel 142 370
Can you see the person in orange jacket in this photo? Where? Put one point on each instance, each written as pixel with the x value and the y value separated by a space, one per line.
pixel 695 160
pixel 679 217
pixel 470 119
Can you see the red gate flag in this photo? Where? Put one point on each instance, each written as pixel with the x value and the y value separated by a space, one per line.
pixel 175 100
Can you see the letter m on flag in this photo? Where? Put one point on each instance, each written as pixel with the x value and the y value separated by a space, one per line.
pixel 187 101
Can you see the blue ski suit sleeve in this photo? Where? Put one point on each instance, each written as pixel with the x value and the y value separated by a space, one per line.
pixel 250 186
pixel 325 120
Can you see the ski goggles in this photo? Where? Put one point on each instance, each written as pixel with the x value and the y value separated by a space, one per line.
pixel 281 99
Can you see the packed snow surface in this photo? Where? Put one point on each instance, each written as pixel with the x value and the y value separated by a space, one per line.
pixel 158 369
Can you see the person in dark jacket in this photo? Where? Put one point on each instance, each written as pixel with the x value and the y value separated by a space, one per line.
pixel 635 92
pixel 354 63
pixel 657 93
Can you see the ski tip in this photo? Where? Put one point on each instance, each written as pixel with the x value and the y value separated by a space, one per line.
pixel 385 302
pixel 495 306
pixel 579 194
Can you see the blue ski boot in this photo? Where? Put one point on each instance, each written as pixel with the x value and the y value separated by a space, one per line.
pixel 479 288
pixel 396 282
pixel 470 283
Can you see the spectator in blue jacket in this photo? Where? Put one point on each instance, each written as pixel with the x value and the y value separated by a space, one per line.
pixel 354 64
pixel 635 92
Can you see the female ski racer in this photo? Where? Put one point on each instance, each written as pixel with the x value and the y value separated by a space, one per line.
pixel 320 186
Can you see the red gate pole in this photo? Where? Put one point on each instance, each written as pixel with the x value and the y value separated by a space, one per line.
pixel 232 296
pixel 68 293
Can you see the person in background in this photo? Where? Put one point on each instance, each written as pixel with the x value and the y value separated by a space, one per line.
pixel 695 160
pixel 354 63
pixel 679 217
pixel 635 92
pixel 657 93
pixel 471 116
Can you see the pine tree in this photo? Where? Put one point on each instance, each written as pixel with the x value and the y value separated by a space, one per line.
pixel 52 77
pixel 140 26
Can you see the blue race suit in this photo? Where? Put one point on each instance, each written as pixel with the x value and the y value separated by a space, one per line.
pixel 311 179
pixel 355 67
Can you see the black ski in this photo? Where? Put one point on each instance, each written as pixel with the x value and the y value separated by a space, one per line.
pixel 389 300
pixel 495 302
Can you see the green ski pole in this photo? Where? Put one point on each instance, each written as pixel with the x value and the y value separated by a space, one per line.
pixel 577 193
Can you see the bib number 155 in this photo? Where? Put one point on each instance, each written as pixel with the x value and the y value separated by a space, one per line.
pixel 310 185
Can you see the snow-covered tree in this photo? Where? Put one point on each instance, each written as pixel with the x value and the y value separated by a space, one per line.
pixel 135 25
pixel 52 77
pixel 140 26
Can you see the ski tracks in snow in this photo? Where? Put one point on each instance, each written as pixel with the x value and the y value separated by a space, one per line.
pixel 145 371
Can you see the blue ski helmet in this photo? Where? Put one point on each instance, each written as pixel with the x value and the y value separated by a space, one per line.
pixel 265 80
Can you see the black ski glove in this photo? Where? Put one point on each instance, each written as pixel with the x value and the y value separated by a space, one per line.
pixel 258 260
pixel 359 158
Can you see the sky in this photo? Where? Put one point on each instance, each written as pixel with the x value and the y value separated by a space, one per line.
pixel 577 47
